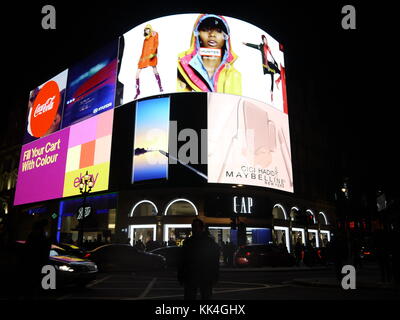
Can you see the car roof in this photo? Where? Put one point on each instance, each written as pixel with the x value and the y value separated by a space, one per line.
pixel 256 245
pixel 112 245
pixel 167 248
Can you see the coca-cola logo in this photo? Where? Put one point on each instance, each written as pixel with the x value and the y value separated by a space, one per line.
pixel 41 108
pixel 44 109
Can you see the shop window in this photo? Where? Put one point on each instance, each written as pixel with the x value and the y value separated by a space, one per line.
pixel 282 237
pixel 144 208
pixel 221 235
pixel 323 221
pixel 175 234
pixel 294 213
pixel 142 234
pixel 279 212
pixel 311 216
pixel 181 207
pixel 325 238
pixel 313 238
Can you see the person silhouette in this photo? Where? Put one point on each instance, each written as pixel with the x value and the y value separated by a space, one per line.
pixel 383 254
pixel 37 254
pixel 199 266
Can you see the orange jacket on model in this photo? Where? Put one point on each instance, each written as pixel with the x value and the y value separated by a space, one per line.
pixel 149 51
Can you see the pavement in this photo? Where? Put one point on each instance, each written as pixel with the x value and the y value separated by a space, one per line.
pixel 273 269
pixel 366 278
pixel 334 283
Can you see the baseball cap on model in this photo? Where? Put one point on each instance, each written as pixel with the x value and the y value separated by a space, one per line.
pixel 213 22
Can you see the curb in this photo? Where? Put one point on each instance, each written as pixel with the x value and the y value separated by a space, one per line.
pixel 336 284
pixel 270 269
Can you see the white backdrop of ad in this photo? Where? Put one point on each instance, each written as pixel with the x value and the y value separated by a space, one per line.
pixel 248 143
pixel 174 36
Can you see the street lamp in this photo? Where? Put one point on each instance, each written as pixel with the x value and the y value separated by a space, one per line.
pixel 85 186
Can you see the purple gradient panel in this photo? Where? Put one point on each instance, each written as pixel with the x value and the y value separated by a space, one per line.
pixel 42 169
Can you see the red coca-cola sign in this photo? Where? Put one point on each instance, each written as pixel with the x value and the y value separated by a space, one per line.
pixel 44 109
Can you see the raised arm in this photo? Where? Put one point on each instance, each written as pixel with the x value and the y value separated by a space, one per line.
pixel 254 46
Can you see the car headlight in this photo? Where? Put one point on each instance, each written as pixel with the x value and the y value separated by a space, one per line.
pixel 65 268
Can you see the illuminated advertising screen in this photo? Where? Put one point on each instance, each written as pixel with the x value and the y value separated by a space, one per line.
pixel 91 85
pixel 234 125
pixel 45 108
pixel 207 53
pixel 89 149
pixel 51 167
pixel 42 168
pixel 150 158
pixel 242 141
pixel 248 143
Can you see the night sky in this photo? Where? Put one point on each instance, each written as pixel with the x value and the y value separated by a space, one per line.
pixel 343 76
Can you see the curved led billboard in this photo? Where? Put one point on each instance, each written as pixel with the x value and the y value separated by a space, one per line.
pixel 201 53
pixel 234 130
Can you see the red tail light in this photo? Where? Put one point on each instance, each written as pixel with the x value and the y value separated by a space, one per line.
pixel 87 255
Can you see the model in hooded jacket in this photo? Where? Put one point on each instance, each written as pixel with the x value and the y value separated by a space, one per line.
pixel 208 65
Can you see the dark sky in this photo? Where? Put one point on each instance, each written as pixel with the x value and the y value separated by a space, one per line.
pixel 343 75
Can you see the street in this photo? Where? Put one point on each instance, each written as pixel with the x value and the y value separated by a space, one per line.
pixel 296 284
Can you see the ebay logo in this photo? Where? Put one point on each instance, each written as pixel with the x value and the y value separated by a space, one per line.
pixel 93 177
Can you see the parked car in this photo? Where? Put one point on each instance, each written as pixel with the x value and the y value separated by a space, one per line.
pixel 124 257
pixel 171 254
pixel 259 255
pixel 367 253
pixel 312 256
pixel 70 270
pixel 72 249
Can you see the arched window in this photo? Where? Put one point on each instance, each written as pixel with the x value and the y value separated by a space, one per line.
pixel 144 208
pixel 311 213
pixel 293 214
pixel 323 221
pixel 181 207
pixel 279 212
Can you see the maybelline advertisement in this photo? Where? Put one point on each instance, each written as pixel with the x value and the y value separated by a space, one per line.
pixel 248 143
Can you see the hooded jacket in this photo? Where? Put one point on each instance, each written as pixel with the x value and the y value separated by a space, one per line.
pixel 149 51
pixel 192 75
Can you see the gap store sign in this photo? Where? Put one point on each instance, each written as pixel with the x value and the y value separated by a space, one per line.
pixel 243 205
